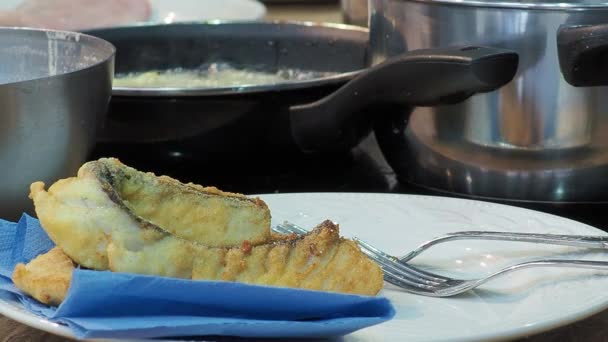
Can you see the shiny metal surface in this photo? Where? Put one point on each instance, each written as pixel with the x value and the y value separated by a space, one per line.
pixel 54 91
pixel 541 5
pixel 538 138
pixel 425 283
pixel 582 241
pixel 421 282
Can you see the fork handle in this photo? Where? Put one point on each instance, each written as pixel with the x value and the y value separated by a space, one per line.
pixel 584 241
pixel 584 264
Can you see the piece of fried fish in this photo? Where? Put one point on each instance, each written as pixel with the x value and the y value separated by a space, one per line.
pixel 319 260
pixel 109 200
pixel 117 218
pixel 46 278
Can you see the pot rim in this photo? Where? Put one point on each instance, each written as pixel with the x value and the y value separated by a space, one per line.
pixel 107 49
pixel 525 4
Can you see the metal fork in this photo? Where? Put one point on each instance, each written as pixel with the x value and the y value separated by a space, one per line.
pixel 414 280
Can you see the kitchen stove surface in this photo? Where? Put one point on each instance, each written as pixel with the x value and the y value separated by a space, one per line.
pixel 362 170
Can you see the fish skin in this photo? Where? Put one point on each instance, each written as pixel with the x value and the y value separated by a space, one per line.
pixel 189 211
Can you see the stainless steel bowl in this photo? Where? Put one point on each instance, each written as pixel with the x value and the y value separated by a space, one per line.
pixel 54 90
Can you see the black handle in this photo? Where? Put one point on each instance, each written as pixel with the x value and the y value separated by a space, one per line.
pixel 583 54
pixel 417 78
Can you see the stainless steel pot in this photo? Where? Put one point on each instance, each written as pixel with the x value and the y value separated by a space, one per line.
pixel 54 90
pixel 536 139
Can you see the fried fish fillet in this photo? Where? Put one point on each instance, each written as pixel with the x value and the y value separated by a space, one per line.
pixel 46 278
pixel 111 200
pixel 190 211
pixel 319 260
pixel 114 217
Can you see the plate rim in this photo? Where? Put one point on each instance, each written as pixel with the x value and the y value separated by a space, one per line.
pixel 31 320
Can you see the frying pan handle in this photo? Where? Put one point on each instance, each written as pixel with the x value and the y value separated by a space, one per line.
pixel 418 78
pixel 583 54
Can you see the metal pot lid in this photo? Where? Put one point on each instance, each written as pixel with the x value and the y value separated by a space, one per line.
pixel 575 5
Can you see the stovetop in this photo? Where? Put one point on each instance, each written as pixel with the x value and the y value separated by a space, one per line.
pixel 362 170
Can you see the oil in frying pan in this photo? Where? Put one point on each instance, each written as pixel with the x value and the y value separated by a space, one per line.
pixel 214 75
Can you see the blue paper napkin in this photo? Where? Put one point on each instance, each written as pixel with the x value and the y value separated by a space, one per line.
pixel 121 305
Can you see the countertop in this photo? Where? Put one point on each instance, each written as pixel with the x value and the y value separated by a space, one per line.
pixel 301 12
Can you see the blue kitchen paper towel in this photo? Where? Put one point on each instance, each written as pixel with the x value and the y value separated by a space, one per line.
pixel 120 305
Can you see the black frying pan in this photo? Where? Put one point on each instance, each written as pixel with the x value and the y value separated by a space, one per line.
pixel 253 122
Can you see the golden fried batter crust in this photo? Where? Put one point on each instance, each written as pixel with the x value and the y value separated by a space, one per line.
pixel 46 278
pixel 114 217
pixel 320 260
pixel 109 199
pixel 190 211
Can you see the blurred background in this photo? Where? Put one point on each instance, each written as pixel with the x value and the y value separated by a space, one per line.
pixel 541 146
pixel 57 13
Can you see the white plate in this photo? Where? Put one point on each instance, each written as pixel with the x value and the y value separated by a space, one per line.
pixel 516 305
pixel 169 11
